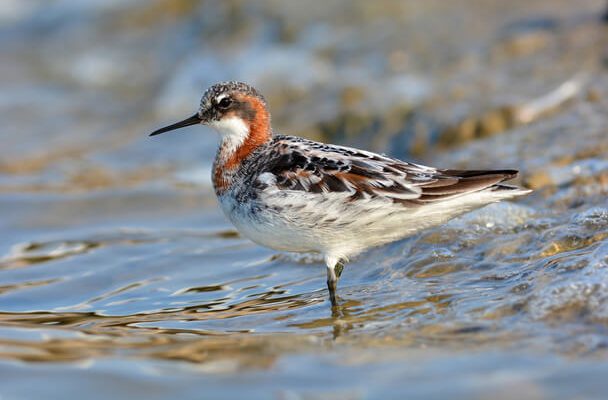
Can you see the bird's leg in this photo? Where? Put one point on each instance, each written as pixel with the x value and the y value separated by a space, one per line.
pixel 339 268
pixel 334 270
pixel 332 284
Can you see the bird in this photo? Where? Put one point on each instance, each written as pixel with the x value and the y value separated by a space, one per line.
pixel 292 194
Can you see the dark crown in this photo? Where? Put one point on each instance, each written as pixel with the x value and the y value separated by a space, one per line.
pixel 228 87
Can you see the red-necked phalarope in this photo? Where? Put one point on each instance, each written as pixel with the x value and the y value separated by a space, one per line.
pixel 293 194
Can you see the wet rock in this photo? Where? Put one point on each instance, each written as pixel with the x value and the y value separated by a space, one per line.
pixel 538 180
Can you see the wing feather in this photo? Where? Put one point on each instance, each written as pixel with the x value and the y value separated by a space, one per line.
pixel 312 167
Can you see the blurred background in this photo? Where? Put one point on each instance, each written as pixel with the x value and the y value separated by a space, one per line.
pixel 119 276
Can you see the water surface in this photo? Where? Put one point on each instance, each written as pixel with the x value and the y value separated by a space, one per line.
pixel 119 276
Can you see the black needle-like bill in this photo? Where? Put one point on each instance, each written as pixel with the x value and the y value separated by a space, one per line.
pixel 193 120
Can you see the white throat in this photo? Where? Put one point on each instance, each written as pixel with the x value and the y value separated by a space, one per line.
pixel 234 131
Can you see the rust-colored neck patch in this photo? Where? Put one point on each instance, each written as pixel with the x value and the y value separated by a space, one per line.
pixel 254 113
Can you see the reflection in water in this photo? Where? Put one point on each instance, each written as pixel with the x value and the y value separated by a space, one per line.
pixel 32 253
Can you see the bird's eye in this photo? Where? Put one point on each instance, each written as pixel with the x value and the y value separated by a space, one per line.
pixel 225 102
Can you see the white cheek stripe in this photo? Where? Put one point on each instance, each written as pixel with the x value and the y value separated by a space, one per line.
pixel 234 131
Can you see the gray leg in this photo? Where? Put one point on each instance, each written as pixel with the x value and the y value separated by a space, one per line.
pixel 332 284
pixel 334 270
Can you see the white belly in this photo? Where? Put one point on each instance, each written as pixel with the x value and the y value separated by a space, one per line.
pixel 331 225
pixel 267 228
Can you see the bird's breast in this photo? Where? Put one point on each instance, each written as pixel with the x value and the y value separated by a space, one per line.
pixel 264 224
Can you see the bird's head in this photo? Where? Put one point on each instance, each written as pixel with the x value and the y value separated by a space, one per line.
pixel 234 109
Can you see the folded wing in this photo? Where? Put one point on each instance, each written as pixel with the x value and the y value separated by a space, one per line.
pixel 312 167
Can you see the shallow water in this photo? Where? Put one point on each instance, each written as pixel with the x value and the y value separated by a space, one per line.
pixel 120 277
